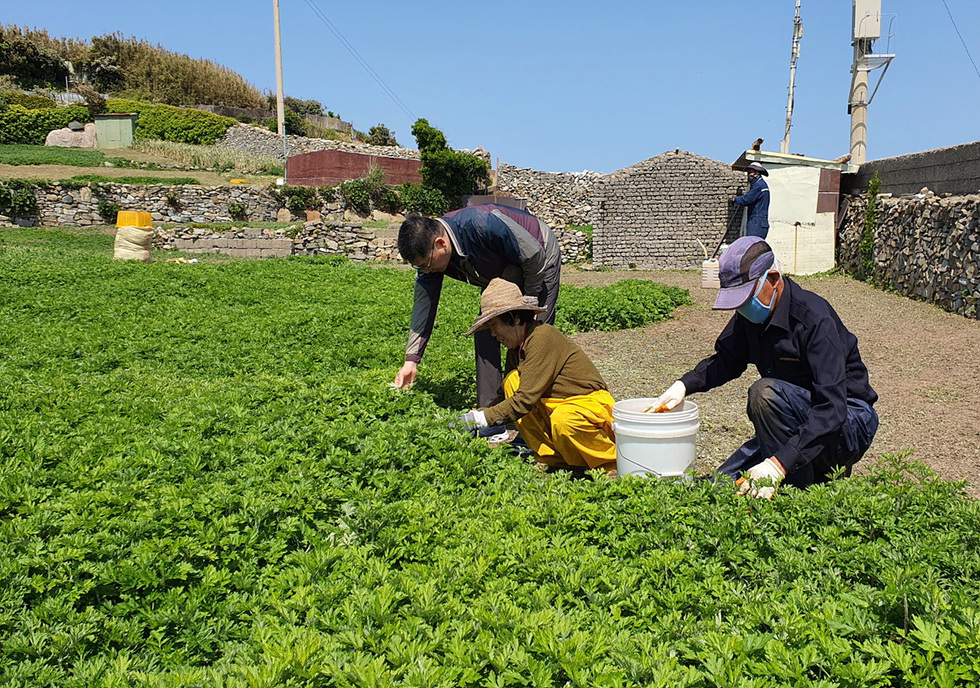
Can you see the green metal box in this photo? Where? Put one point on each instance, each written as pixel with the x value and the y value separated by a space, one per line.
pixel 115 130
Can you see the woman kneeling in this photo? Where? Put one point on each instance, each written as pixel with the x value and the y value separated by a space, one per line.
pixel 551 389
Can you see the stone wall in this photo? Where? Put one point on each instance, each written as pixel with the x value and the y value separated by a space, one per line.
pixel 558 198
pixel 258 141
pixel 652 214
pixel 59 206
pixel 926 247
pixel 955 170
pixel 314 238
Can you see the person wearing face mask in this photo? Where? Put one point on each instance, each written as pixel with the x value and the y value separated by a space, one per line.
pixel 551 389
pixel 756 202
pixel 812 409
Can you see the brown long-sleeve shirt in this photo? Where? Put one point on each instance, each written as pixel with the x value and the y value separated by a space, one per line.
pixel 550 366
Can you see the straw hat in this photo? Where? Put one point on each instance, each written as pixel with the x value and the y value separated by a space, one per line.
pixel 498 298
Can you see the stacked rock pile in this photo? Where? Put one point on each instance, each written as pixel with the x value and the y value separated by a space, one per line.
pixel 924 246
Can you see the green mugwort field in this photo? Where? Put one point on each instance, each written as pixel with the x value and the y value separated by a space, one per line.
pixel 205 480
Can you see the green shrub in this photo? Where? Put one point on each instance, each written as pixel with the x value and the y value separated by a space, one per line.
pixel 453 173
pixel 295 126
pixel 237 211
pixel 108 211
pixel 31 102
pixel 17 197
pixel 380 136
pixel 169 123
pixel 20 125
pixel 296 198
pixel 625 304
pixel 356 194
pixel 416 198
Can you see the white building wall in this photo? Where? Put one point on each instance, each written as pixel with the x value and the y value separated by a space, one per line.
pixel 793 192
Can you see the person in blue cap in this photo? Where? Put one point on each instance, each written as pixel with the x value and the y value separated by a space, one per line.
pixel 812 409
pixel 756 202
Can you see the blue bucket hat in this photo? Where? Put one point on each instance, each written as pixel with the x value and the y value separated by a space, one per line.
pixel 739 269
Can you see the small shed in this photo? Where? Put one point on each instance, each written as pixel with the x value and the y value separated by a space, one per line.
pixel 804 196
pixel 115 129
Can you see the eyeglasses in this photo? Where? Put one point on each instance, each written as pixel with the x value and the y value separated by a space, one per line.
pixel 432 254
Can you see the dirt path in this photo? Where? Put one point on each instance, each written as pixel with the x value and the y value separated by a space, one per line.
pixel 923 363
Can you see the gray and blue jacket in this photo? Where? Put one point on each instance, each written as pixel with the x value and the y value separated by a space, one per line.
pixel 488 241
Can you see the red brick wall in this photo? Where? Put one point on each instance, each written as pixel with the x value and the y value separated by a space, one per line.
pixel 328 167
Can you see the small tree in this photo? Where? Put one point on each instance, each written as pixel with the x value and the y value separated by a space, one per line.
pixel 381 136
pixel 452 173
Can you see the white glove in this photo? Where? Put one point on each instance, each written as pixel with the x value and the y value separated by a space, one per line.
pixel 763 479
pixel 672 397
pixel 472 420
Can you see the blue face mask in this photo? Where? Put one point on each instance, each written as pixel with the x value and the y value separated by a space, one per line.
pixel 754 310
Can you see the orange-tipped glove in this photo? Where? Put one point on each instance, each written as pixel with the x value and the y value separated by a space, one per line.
pixel 762 480
pixel 672 398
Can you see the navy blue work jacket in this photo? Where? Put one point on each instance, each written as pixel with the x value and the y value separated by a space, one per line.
pixel 805 343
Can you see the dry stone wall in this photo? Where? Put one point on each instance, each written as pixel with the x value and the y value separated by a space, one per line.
pixel 257 141
pixel 314 238
pixel 926 247
pixel 558 198
pixel 653 214
pixel 64 206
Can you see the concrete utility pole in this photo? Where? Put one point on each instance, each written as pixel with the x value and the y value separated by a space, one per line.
pixel 280 107
pixel 794 55
pixel 866 22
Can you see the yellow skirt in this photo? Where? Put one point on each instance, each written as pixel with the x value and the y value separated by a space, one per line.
pixel 576 431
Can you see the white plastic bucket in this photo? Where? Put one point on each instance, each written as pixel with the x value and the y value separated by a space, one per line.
pixel 660 444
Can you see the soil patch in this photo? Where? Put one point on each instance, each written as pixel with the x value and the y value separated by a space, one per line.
pixel 922 362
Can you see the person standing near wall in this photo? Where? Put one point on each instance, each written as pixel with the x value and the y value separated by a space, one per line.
pixel 475 245
pixel 756 202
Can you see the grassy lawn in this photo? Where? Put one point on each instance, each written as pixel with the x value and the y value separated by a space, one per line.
pixel 19 154
pixel 207 481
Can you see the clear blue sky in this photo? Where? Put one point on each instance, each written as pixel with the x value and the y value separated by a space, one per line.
pixel 567 86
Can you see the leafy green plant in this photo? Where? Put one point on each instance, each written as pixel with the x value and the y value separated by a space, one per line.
pixel 380 136
pixel 108 211
pixel 31 102
pixel 237 210
pixel 20 125
pixel 624 304
pixel 207 481
pixel 173 199
pixel 416 198
pixel 453 173
pixel 356 194
pixel 169 123
pixel 17 197
pixel 867 237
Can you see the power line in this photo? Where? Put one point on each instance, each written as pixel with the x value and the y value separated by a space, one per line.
pixel 955 28
pixel 360 60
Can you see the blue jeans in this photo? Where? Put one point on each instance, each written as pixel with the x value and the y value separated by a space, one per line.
pixel 777 409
